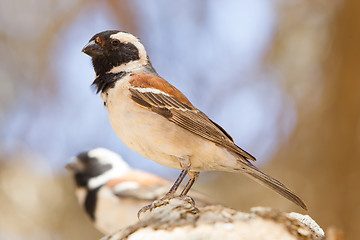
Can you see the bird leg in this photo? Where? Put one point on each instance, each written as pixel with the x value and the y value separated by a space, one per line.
pixel 176 184
pixel 170 194
pixel 193 177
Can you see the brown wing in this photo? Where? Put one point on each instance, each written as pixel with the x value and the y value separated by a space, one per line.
pixel 187 117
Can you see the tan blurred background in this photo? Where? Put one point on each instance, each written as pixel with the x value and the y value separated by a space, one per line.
pixel 310 55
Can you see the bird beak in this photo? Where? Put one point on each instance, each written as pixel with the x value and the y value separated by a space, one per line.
pixel 74 166
pixel 93 49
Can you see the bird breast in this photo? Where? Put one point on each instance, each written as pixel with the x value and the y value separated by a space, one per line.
pixel 154 137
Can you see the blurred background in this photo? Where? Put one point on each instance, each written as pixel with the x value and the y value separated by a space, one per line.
pixel 282 77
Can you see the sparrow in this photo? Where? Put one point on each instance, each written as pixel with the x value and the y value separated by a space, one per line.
pixel 155 119
pixel 111 192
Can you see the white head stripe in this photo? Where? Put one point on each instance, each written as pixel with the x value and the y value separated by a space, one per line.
pixel 125 37
pixel 129 38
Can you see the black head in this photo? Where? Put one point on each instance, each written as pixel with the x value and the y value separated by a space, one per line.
pixel 85 168
pixel 111 49
pixel 94 168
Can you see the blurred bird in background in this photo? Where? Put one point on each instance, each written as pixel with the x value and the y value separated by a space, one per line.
pixel 111 192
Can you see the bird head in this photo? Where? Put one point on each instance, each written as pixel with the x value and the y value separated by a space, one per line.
pixel 94 168
pixel 115 51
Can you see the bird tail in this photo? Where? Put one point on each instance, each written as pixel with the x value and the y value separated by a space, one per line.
pixel 274 184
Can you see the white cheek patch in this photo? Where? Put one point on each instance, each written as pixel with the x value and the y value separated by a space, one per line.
pixel 102 179
pixel 118 166
pixel 130 66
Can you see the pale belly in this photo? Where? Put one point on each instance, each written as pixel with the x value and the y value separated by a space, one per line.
pixel 154 137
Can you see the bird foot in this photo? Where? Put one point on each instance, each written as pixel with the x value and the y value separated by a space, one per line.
pixel 164 201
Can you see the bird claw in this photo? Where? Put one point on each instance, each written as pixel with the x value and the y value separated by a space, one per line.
pixel 163 201
pixel 153 205
pixel 188 199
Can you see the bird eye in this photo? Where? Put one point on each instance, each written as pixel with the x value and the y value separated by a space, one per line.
pixel 115 43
